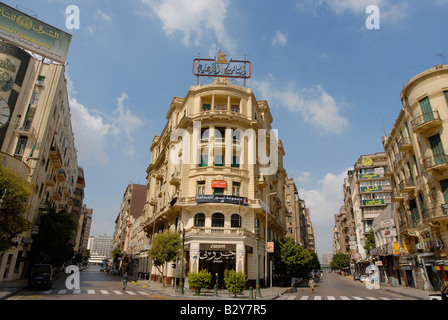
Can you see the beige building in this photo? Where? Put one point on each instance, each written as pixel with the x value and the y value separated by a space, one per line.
pixel 36 139
pixel 207 178
pixel 127 226
pixel 297 223
pixel 418 167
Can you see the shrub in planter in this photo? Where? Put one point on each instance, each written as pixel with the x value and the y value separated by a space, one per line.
pixel 199 280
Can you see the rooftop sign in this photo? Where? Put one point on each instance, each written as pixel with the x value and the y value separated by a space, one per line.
pixel 221 67
pixel 32 34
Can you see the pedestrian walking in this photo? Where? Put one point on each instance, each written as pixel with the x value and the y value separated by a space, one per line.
pixel 125 280
pixel 311 284
pixel 217 280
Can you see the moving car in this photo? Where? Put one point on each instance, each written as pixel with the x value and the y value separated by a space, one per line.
pixel 364 278
pixel 41 276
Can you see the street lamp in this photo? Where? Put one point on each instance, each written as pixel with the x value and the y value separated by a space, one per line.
pixel 257 282
pixel 268 197
pixel 181 279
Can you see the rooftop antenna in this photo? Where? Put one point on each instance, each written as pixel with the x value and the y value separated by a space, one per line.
pixel 442 57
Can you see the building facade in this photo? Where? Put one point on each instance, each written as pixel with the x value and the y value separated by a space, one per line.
pixel 418 167
pixel 207 179
pixel 36 140
pixel 100 248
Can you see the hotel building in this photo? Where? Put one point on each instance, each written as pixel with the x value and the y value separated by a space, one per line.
pixel 209 176
pixel 36 141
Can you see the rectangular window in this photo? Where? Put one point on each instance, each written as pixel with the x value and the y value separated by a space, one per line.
pixel 235 108
pixel 200 188
pixel 444 188
pixel 437 149
pixel 218 191
pixel 414 210
pixel 21 145
pixel 446 96
pixel 219 160
pixel 236 188
pixel 204 160
pixel 206 107
pixel 235 161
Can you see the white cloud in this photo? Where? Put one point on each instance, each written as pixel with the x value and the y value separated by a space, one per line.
pixel 303 178
pixel 103 16
pixel 90 132
pixel 315 105
pixel 279 40
pixel 323 203
pixel 193 17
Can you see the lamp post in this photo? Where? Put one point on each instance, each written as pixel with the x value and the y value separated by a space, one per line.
pixel 181 278
pixel 268 197
pixel 257 282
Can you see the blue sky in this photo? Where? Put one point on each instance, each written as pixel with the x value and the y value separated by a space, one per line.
pixel 333 85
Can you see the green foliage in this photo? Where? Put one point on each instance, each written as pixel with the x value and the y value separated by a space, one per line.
pixel 165 248
pixel 234 281
pixel 370 241
pixel 292 259
pixel 116 253
pixel 56 230
pixel 199 280
pixel 82 257
pixel 340 262
pixel 14 193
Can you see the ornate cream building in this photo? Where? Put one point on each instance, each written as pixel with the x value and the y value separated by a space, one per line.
pixel 418 167
pixel 210 177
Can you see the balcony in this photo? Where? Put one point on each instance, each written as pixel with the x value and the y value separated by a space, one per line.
pixel 405 144
pixel 50 182
pixel 436 163
pixel 397 196
pixel 428 120
pixel 61 175
pixel 217 231
pixel 407 186
pixel 55 158
pixel 57 196
pixel 436 213
pixel 388 172
pixel 175 178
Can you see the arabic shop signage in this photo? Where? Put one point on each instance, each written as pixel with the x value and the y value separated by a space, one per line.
pixel 364 176
pixel 219 184
pixel 221 199
pixel 221 67
pixel 371 188
pixel 30 33
pixel 373 202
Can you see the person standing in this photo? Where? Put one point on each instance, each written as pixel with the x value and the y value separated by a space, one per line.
pixel 125 280
pixel 311 284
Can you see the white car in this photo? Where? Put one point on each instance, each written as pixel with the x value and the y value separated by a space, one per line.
pixel 364 278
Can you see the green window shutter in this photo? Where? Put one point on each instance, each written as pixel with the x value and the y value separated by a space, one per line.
pixel 204 161
pixel 444 187
pixel 425 106
pixel 206 107
pixel 446 96
pixel 437 149
pixel 235 161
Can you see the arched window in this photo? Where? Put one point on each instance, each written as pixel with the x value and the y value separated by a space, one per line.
pixel 235 221
pixel 218 220
pixel 199 220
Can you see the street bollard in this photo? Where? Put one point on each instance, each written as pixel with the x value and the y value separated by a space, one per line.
pixel 216 290
pixel 251 293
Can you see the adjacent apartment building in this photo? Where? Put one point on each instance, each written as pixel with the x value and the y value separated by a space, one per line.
pixel 36 141
pixel 418 167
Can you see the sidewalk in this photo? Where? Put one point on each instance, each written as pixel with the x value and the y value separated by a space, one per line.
pixel 266 293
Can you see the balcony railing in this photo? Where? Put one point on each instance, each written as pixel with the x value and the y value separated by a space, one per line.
pixel 405 144
pixel 407 185
pixel 436 162
pixel 426 121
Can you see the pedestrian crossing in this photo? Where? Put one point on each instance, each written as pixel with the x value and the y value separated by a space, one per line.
pixel 93 292
pixel 319 297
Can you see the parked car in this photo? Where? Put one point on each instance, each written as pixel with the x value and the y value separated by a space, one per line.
pixel 356 276
pixel 364 278
pixel 41 276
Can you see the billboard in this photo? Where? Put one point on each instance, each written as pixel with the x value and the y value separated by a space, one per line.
pixel 32 34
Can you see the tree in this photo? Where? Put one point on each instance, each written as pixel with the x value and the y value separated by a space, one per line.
pixel 165 248
pixel 14 193
pixel 56 230
pixel 116 254
pixel 340 262
pixel 370 241
pixel 292 259
pixel 234 281
pixel 199 280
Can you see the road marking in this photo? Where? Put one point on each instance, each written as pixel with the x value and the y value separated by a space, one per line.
pixel 118 292
pixel 291 298
pixel 331 298
pixel 77 291
pixel 91 291
pixel 143 293
pixel 317 298
pixel 304 298
pixel 371 298
pixel 385 298
pixel 131 293
pixel 104 292
pixel 345 298
pixel 47 292
pixel 63 291
pixel 358 298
